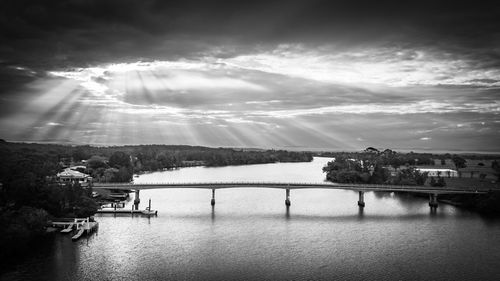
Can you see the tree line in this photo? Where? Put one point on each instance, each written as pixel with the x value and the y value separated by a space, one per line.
pixel 30 194
pixel 371 166
pixel 370 170
pixel 119 165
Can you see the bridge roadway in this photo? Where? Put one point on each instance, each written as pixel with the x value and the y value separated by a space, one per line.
pixel 361 188
pixel 284 185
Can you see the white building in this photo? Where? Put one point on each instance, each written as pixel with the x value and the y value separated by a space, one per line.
pixel 444 173
pixel 71 176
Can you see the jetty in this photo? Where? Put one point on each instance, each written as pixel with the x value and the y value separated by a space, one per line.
pixel 122 211
pixel 115 209
pixel 81 225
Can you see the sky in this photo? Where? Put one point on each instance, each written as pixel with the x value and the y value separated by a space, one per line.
pixel 302 75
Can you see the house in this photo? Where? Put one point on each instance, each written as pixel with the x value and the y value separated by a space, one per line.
pixel 71 176
pixel 445 173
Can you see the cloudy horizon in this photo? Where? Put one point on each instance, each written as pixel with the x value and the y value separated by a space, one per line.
pixel 338 75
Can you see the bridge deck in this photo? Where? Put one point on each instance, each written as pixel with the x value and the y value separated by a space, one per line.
pixel 355 187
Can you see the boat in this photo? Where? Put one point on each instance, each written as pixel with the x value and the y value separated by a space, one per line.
pixel 119 196
pixel 149 212
pixel 68 229
pixel 78 235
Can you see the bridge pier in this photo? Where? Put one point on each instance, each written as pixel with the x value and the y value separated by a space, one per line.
pixel 361 200
pixel 212 202
pixel 137 200
pixel 287 198
pixel 433 203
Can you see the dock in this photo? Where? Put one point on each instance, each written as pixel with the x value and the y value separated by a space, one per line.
pixel 68 229
pixel 118 211
pixel 85 228
pixel 122 211
pixel 115 209
pixel 81 225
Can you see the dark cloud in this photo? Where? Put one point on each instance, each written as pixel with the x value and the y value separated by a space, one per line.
pixel 423 70
pixel 79 32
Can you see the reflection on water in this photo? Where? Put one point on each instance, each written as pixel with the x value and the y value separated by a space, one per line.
pixel 361 212
pixel 277 172
pixel 251 235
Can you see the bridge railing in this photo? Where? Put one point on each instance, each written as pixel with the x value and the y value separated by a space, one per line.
pixel 281 184
pixel 215 183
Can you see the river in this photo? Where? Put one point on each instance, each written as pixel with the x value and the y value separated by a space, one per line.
pixel 250 235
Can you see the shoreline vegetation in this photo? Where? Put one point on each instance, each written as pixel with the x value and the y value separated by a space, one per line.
pixel 31 196
pixel 390 167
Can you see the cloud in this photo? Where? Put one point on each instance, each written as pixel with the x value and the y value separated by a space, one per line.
pixel 426 106
pixel 266 102
pixel 386 66
pixel 151 82
pixel 284 88
pixel 54 124
pixel 315 74
pixel 80 33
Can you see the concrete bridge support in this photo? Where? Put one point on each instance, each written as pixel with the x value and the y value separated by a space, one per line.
pixel 137 200
pixel 212 202
pixel 433 203
pixel 361 200
pixel 287 198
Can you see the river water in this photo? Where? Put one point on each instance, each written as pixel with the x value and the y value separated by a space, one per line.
pixel 250 235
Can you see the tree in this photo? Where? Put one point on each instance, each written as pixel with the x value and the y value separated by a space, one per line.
pixel 482 176
pixel 395 162
pixel 109 175
pixel 346 176
pixel 85 207
pixel 80 154
pixel 123 175
pixel 96 162
pixel 372 150
pixel 459 163
pixel 19 227
pixel 380 175
pixel 343 170
pixel 441 182
pixel 410 176
pixel 120 159
pixel 496 168
pixel 432 181
pixel 437 183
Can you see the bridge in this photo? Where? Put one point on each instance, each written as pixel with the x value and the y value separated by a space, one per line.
pixel 360 188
